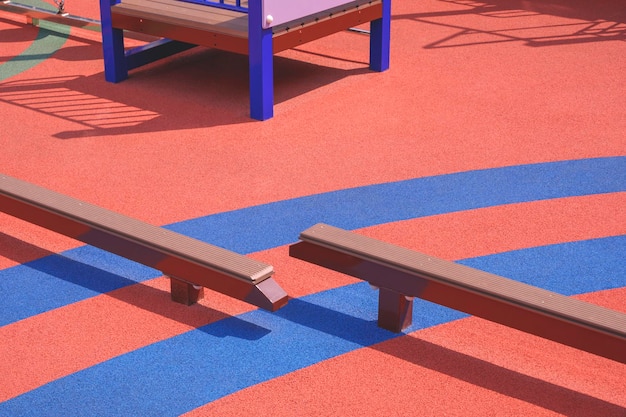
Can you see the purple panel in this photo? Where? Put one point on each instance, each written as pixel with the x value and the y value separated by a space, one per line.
pixel 283 11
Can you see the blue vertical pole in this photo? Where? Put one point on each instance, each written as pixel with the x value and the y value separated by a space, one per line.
pixel 380 34
pixel 115 68
pixel 261 57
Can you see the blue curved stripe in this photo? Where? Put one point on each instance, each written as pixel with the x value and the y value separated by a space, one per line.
pixel 261 227
pixel 81 273
pixel 182 373
pixel 569 269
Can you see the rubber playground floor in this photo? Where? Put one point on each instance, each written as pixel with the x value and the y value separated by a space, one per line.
pixel 497 139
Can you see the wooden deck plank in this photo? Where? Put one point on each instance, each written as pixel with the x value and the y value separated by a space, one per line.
pixel 185 15
pixel 227 22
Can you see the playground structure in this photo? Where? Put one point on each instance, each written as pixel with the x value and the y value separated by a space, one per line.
pixel 258 28
pixel 402 274
pixel 191 264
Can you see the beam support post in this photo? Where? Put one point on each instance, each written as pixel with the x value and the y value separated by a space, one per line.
pixel 395 310
pixel 184 292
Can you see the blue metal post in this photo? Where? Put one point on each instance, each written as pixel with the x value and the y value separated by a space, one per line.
pixel 115 68
pixel 261 57
pixel 380 34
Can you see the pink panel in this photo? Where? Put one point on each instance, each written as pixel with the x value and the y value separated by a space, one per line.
pixel 276 12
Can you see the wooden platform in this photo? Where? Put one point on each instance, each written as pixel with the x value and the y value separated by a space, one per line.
pixel 228 30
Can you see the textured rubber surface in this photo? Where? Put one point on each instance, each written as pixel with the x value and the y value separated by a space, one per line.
pixel 496 140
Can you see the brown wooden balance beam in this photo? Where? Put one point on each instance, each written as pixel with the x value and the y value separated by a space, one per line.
pixel 191 264
pixel 34 14
pixel 402 274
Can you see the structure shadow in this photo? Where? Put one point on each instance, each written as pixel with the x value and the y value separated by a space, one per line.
pixel 17 34
pixel 196 89
pixel 515 21
pixel 609 10
pixel 80 54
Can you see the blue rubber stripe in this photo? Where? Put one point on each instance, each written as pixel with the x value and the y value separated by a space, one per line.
pixel 574 268
pixel 261 227
pixel 56 281
pixel 179 374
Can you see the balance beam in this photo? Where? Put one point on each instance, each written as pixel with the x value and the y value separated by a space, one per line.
pixel 190 264
pixel 33 13
pixel 402 274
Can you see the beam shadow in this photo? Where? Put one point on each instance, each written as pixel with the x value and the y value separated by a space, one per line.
pixel 338 324
pixel 124 289
pixel 452 363
pixel 498 379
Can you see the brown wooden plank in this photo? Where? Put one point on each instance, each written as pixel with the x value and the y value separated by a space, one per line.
pixel 198 17
pixel 195 36
pixel 190 11
pixel 176 255
pixel 534 310
pixel 413 262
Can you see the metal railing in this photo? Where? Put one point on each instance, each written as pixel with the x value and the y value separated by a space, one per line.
pixel 235 5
